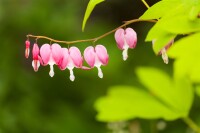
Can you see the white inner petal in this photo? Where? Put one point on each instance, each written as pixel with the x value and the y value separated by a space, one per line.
pixel 35 66
pixel 98 65
pixel 125 51
pixel 100 73
pixel 71 77
pixel 51 63
pixel 51 73
pixel 164 56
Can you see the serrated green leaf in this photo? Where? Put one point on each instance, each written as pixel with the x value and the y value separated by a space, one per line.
pixel 168 91
pixel 187 66
pixel 166 98
pixel 154 33
pixel 193 13
pixel 162 41
pixel 184 94
pixel 124 103
pixel 160 37
pixel 91 5
pixel 158 85
pixel 186 53
pixel 160 9
pixel 187 46
pixel 198 90
pixel 179 24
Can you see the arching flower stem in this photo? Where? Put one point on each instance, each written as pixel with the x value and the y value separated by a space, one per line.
pixel 92 39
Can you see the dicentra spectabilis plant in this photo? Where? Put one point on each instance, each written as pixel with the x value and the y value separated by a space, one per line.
pixel 167 97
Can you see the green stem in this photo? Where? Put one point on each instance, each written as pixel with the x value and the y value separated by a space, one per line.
pixel 153 126
pixel 145 3
pixel 92 39
pixel 192 124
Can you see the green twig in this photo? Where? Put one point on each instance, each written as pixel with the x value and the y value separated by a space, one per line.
pixel 145 3
pixel 192 124
pixel 92 39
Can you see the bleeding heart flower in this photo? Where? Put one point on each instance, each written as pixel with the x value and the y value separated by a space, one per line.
pixel 163 51
pixel 96 57
pixel 27 50
pixel 51 54
pixel 71 58
pixel 126 39
pixel 36 57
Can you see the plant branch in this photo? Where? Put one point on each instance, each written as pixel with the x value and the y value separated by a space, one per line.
pixel 192 125
pixel 145 3
pixel 92 39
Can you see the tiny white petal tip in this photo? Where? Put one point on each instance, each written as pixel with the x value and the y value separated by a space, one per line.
pixel 165 56
pixel 100 73
pixel 125 52
pixel 36 65
pixel 51 73
pixel 71 77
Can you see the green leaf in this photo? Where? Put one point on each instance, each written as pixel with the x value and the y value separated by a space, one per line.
pixel 156 32
pixel 186 52
pixel 165 98
pixel 179 24
pixel 160 37
pixel 198 90
pixel 194 12
pixel 162 41
pixel 168 91
pixel 124 103
pixel 90 7
pixel 186 46
pixel 160 9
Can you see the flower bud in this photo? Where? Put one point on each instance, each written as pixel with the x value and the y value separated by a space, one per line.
pixel 27 50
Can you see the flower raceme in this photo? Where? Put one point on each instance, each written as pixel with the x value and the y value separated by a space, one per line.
pixel 126 39
pixel 96 57
pixel 68 58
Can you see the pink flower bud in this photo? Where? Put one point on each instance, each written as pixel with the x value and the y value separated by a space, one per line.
pixel 36 57
pixel 51 55
pixel 71 58
pixel 96 57
pixel 126 39
pixel 27 50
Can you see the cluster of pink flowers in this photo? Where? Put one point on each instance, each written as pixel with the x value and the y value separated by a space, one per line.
pixel 71 58
pixel 67 58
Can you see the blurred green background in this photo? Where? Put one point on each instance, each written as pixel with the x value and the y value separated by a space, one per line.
pixel 36 103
